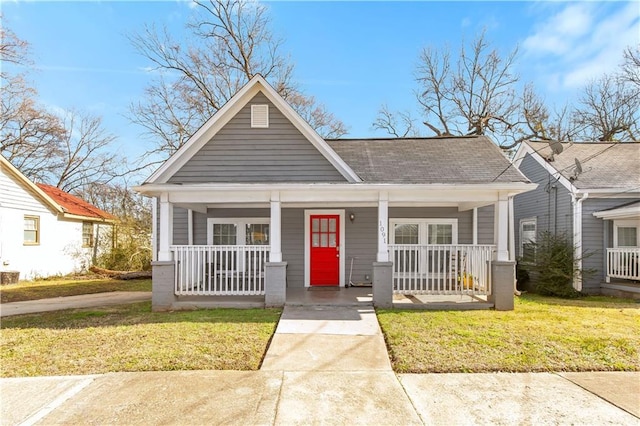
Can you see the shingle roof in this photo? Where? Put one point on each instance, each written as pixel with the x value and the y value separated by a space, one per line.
pixel 427 160
pixel 74 205
pixel 604 165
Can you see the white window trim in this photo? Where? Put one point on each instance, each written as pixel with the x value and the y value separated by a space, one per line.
pixel 307 243
pixel 523 221
pixel 241 227
pixel 256 111
pixel 627 223
pixel 423 228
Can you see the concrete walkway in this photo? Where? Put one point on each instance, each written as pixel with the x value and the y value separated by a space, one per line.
pixel 325 365
pixel 72 302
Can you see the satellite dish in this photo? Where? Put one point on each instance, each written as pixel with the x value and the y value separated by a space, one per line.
pixel 578 167
pixel 556 147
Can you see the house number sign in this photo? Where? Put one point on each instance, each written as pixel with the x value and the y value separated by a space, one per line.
pixel 383 232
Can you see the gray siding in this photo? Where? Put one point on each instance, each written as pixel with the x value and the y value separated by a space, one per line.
pixel 550 203
pixel 239 153
pixel 485 225
pixel 180 226
pixel 597 235
pixel 293 245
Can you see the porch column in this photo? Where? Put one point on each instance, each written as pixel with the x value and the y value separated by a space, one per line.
pixel 275 230
pixel 166 228
pixel 501 227
pixel 383 223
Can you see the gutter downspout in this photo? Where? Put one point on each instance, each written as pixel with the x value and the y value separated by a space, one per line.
pixel 577 237
pixel 512 243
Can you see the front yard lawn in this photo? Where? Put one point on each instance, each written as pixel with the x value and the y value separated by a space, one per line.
pixel 59 287
pixel 132 338
pixel 541 334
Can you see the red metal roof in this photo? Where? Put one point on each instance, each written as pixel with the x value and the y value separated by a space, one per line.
pixel 74 205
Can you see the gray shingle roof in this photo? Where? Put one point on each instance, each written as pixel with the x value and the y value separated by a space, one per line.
pixel 604 165
pixel 427 160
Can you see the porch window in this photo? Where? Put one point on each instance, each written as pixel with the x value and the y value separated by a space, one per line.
pixel 528 232
pixel 625 233
pixel 420 232
pixel 31 230
pixel 232 232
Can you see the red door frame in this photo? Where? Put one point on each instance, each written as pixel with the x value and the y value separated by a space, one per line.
pixel 324 250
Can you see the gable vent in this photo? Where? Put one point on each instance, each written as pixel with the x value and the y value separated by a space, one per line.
pixel 259 115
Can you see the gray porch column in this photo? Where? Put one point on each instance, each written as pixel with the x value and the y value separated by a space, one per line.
pixel 383 284
pixel 275 284
pixel 503 275
pixel 163 277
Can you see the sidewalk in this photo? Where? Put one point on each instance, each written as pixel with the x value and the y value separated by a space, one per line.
pixel 325 365
pixel 71 302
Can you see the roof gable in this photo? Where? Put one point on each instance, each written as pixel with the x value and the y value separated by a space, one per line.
pixel 241 153
pixel 605 166
pixel 256 85
pixel 30 186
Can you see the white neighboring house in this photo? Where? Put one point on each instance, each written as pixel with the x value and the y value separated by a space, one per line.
pixel 44 231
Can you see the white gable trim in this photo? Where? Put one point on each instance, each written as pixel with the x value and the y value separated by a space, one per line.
pixel 228 111
pixel 48 201
pixel 525 149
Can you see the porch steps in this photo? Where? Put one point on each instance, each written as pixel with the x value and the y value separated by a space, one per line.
pixel 621 290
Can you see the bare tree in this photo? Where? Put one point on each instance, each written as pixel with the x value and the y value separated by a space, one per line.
pixel 474 96
pixel 68 151
pixel 537 122
pixel 609 110
pixel 231 42
pixel 399 124
pixel 631 66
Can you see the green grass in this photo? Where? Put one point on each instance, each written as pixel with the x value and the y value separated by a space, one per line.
pixel 59 287
pixel 541 334
pixel 132 338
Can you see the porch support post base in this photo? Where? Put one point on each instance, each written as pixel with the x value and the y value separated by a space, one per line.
pixel 383 284
pixel 163 295
pixel 275 284
pixel 503 274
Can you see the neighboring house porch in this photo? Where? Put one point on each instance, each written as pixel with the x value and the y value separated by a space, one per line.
pixel 622 248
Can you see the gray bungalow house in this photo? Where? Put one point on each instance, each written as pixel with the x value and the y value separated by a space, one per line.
pixel 257 204
pixel 591 192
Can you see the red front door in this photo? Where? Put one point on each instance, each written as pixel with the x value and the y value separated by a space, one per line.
pixel 325 250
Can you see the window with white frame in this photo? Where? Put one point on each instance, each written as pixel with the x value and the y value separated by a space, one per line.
pixel 87 234
pixel 420 233
pixel 528 233
pixel 241 232
pixel 625 233
pixel 424 231
pixel 31 230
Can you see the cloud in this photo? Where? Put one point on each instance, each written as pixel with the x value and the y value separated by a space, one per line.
pixel 582 41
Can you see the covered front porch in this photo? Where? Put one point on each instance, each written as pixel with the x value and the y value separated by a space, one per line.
pixel 413 246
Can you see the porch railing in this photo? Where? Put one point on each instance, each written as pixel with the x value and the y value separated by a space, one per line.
pixel 441 269
pixel 623 263
pixel 220 270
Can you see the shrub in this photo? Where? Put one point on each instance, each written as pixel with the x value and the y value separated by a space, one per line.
pixel 554 266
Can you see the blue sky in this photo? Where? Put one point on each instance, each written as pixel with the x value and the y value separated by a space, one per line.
pixel 352 56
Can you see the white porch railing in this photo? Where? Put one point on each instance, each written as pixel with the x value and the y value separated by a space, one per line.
pixel 220 270
pixel 441 269
pixel 623 263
